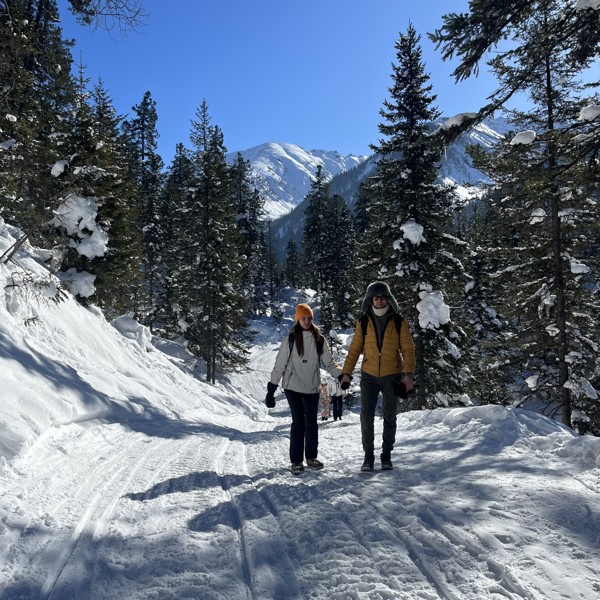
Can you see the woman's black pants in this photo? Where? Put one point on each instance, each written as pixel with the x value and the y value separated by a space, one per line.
pixel 304 433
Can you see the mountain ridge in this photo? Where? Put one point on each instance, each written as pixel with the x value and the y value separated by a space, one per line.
pixel 284 186
pixel 283 172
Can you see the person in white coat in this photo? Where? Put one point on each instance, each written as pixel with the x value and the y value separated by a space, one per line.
pixel 337 404
pixel 297 367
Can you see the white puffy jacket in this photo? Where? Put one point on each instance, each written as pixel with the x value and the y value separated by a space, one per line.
pixel 334 387
pixel 301 373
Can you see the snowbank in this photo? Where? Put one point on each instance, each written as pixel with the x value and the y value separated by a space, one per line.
pixel 63 363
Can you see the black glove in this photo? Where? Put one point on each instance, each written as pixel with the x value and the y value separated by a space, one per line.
pixel 270 397
pixel 399 387
pixel 346 384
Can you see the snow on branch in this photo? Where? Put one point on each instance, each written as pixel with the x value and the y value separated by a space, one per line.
pixel 585 4
pixel 433 311
pixel 77 216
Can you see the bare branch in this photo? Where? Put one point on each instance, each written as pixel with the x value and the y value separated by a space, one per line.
pixel 126 15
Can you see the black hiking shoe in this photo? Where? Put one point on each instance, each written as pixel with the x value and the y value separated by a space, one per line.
pixel 297 468
pixel 386 461
pixel 368 463
pixel 314 463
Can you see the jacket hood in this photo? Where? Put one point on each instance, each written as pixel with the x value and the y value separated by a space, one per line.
pixel 379 288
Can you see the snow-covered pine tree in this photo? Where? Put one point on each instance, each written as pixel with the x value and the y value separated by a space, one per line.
pixel 328 248
pixel 174 207
pixel 313 235
pixel 141 135
pixel 486 326
pixel 292 266
pixel 360 211
pixel 118 271
pixel 95 203
pixel 412 215
pixel 373 217
pixel 546 193
pixel 487 24
pixel 339 288
pixel 250 216
pixel 37 95
pixel 212 300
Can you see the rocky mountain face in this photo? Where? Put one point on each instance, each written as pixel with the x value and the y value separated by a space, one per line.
pixel 283 174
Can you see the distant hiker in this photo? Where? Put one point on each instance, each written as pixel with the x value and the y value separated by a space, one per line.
pixel 384 339
pixel 325 400
pixel 297 367
pixel 335 390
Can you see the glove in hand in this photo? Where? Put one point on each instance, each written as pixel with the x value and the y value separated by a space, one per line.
pixel 270 397
pixel 344 385
pixel 400 388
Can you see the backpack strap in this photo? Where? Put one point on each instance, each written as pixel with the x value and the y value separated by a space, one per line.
pixel 364 319
pixel 398 322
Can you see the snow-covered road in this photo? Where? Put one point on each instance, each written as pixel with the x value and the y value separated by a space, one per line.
pixel 483 503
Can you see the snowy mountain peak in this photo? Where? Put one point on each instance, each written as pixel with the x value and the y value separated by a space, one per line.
pixel 284 172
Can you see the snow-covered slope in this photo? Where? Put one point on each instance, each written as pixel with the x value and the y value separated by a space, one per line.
pixel 284 172
pixel 124 476
pixel 456 164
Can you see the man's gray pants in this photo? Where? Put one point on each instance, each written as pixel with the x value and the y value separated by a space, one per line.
pixel 370 387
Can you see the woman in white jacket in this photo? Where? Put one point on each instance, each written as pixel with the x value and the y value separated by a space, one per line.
pixel 297 367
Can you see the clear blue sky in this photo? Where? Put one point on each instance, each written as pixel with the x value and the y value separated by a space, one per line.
pixel 311 72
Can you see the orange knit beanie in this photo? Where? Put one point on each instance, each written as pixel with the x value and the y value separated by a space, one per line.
pixel 303 310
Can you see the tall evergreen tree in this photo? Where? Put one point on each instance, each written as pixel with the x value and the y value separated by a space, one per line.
pixel 146 168
pixel 362 202
pixel 328 249
pixel 250 215
pixel 37 95
pixel 409 221
pixel 339 258
pixel 212 301
pixel 313 240
pixel 117 272
pixel 482 308
pixel 545 189
pixel 293 274
pixel 175 229
pixel 95 181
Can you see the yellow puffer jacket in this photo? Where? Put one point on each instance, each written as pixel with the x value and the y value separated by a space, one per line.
pixel 397 352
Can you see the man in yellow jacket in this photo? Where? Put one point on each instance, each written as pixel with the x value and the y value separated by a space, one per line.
pixel 388 355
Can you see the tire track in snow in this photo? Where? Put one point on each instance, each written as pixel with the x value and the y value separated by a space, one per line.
pixel 175 450
pixel 236 518
pixel 40 482
pixel 267 568
pixel 109 486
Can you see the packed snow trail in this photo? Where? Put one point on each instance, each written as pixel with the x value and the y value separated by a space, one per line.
pixel 480 505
